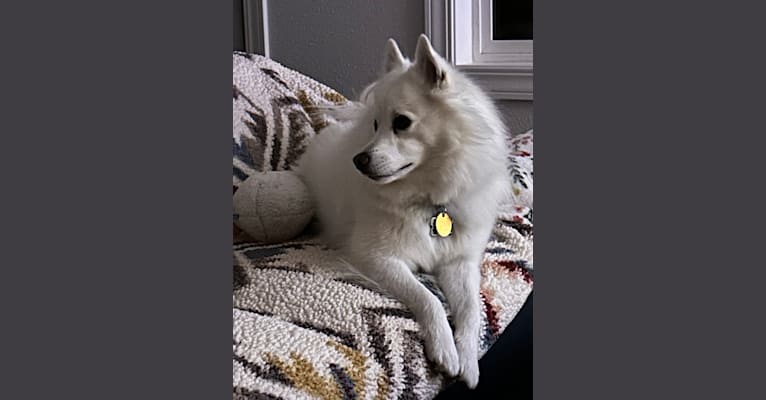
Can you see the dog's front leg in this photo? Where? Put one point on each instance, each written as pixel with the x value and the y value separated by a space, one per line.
pixel 460 282
pixel 393 276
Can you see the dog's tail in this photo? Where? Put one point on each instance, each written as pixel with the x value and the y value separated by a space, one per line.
pixel 349 274
pixel 347 112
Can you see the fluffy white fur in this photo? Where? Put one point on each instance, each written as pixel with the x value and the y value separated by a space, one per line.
pixel 454 154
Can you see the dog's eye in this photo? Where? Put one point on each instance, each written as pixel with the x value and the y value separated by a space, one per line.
pixel 401 123
pixel 375 124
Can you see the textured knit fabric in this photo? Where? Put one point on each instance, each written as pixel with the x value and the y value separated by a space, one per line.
pixel 273 118
pixel 522 169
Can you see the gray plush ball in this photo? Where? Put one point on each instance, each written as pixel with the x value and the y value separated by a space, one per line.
pixel 272 206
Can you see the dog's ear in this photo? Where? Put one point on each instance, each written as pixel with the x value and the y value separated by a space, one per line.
pixel 429 65
pixel 393 58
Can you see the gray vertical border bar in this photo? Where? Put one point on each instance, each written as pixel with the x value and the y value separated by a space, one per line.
pixel 116 199
pixel 649 278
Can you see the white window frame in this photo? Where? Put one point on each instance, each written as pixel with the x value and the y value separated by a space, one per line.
pixel 461 30
pixel 256 24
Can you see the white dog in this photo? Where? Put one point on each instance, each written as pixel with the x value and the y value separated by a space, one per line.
pixel 413 182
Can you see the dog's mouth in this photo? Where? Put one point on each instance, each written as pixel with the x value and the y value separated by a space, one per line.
pixel 392 176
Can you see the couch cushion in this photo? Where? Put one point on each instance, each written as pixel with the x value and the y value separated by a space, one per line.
pixel 522 169
pixel 273 114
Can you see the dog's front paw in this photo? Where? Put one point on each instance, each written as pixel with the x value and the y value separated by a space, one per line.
pixel 469 372
pixel 467 348
pixel 440 348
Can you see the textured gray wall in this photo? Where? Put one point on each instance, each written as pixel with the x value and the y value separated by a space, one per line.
pixel 340 43
pixel 517 115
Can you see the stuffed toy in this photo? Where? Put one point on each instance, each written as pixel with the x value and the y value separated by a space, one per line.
pixel 273 206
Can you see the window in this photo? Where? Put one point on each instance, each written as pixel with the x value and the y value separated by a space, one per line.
pixel 512 20
pixel 256 26
pixel 489 40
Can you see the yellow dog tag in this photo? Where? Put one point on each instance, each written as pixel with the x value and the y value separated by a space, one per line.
pixel 441 224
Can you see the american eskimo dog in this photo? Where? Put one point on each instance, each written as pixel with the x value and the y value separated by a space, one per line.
pixel 412 181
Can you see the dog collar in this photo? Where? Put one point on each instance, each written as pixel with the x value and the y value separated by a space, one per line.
pixel 441 223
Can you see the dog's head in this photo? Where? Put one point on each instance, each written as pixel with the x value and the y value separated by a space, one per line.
pixel 409 114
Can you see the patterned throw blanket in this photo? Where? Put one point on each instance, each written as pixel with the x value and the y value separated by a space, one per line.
pixel 303 329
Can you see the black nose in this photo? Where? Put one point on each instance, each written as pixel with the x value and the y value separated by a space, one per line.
pixel 362 161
